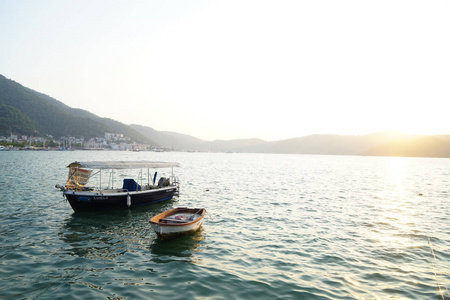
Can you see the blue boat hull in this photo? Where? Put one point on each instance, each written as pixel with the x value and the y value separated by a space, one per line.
pixel 89 201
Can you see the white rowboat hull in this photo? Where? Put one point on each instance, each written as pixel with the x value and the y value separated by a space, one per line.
pixel 167 226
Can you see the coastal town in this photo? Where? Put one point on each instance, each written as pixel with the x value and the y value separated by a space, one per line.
pixel 110 141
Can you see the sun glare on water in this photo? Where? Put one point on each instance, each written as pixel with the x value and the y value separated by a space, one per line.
pixel 396 212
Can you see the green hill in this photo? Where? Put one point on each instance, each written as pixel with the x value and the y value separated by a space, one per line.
pixel 13 119
pixel 25 111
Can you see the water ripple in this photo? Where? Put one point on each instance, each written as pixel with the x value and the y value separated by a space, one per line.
pixel 278 227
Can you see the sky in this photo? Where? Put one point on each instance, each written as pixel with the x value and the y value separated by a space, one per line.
pixel 237 69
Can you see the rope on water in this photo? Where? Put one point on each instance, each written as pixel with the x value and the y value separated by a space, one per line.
pixel 209 215
pixel 441 291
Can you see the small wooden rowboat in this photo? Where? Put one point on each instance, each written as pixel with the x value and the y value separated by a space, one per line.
pixel 177 221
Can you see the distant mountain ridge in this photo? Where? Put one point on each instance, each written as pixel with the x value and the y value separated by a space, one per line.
pixel 374 144
pixel 167 139
pixel 25 111
pixel 424 146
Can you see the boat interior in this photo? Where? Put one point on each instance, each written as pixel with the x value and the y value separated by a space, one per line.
pixel 181 217
pixel 81 173
pixel 129 185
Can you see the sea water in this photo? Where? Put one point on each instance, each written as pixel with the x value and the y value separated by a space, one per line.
pixel 277 227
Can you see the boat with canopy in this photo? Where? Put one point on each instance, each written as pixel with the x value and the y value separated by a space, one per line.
pixel 129 192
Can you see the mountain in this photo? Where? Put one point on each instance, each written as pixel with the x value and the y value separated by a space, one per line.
pixel 180 141
pixel 319 144
pixel 425 146
pixel 11 117
pixel 25 111
pixel 374 144
pixel 167 139
pixel 330 144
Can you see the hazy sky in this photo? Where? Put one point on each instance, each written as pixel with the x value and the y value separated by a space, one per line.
pixel 238 69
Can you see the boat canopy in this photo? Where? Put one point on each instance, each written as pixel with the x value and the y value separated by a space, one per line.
pixel 102 165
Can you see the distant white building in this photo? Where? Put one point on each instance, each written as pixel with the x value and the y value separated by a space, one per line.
pixel 114 136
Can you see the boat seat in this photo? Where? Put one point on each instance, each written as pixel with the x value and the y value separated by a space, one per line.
pixel 131 185
pixel 172 220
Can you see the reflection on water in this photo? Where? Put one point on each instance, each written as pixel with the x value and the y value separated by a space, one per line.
pixel 184 246
pixel 111 234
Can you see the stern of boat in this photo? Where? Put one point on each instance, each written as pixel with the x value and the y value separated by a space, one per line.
pixel 176 184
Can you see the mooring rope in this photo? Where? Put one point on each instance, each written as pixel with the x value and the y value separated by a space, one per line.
pixel 441 291
pixel 209 215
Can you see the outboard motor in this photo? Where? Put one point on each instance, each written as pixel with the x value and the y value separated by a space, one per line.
pixel 163 181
